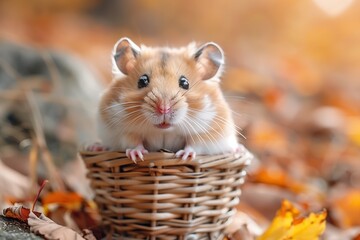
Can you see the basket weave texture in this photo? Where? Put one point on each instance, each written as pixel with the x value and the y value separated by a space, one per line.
pixel 164 197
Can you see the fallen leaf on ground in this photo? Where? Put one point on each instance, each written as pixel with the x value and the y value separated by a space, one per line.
pixel 22 213
pixel 18 212
pixel 242 233
pixel 70 209
pixel 287 224
pixel 13 183
pixel 277 177
pixel 345 209
pixel 52 231
pixel 68 200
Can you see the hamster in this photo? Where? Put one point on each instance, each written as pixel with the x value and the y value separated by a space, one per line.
pixel 166 98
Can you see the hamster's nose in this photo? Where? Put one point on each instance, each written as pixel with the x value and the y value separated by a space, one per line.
pixel 163 109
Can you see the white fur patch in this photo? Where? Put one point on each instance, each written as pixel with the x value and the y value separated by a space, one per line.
pixel 202 120
pixel 224 145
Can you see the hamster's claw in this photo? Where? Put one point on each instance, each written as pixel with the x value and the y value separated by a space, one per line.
pixel 96 147
pixel 239 150
pixel 187 152
pixel 135 153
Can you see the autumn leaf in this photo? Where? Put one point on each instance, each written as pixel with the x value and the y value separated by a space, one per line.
pixel 277 177
pixel 353 129
pixel 346 209
pixel 22 213
pixel 50 230
pixel 288 225
pixel 68 200
pixel 18 212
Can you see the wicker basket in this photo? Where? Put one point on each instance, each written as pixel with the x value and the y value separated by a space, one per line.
pixel 164 197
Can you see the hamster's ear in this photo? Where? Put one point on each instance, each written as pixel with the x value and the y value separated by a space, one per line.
pixel 124 56
pixel 210 61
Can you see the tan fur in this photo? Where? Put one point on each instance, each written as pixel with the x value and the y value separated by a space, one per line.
pixel 165 66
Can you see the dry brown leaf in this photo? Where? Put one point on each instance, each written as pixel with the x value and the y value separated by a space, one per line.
pixel 335 233
pixel 50 230
pixel 74 174
pixel 22 213
pixel 265 199
pixel 243 224
pixel 18 212
pixel 13 183
pixel 241 234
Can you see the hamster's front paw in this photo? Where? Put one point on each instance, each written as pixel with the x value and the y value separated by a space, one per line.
pixel 96 147
pixel 187 152
pixel 240 149
pixel 137 152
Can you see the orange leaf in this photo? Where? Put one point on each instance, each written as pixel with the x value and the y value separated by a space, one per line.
pixel 347 209
pixel 68 200
pixel 18 212
pixel 277 177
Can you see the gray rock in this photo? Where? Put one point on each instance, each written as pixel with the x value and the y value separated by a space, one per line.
pixel 12 229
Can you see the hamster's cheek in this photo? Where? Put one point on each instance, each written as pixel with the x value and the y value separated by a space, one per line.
pixel 179 116
pixel 151 117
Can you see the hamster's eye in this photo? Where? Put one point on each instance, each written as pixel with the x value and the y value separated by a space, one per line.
pixel 144 80
pixel 183 83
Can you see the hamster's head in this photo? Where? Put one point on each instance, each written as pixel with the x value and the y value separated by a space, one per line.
pixel 166 88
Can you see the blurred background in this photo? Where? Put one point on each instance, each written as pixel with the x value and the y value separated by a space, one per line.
pixel 292 77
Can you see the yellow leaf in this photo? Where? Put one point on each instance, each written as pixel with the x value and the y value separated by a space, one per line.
pixel 288 225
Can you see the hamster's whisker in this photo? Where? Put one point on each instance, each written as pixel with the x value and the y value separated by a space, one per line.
pixel 133 120
pixel 186 131
pixel 229 124
pixel 152 97
pixel 186 125
pixel 207 133
pixel 235 97
pixel 128 124
pixel 178 69
pixel 176 95
pixel 124 110
pixel 238 99
pixel 137 71
pixel 131 107
pixel 219 117
pixel 128 115
pixel 191 87
pixel 207 124
pixel 115 120
pixel 196 132
pixel 118 104
pixel 224 121
pixel 115 104
pixel 131 102
pixel 176 102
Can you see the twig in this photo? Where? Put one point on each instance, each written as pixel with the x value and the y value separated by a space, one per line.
pixel 53 71
pixel 34 152
pixel 54 176
pixel 38 194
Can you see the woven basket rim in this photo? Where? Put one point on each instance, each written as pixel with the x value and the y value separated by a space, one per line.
pixel 160 159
